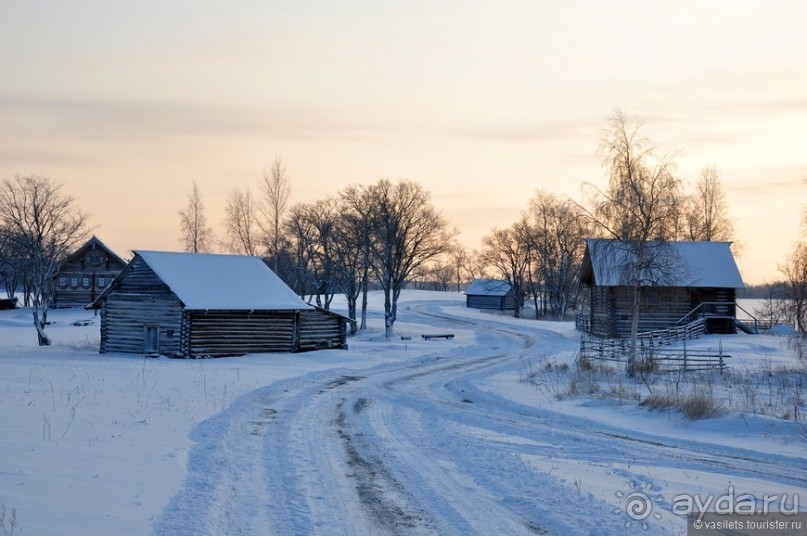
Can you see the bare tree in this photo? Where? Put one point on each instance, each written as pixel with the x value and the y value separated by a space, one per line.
pixel 275 191
pixel 475 267
pixel 557 233
pixel 302 236
pixel 240 225
pixel 407 232
pixel 459 258
pixel 441 274
pixel 348 249
pixel 708 218
pixel 509 252
pixel 322 216
pixel 773 307
pixel 640 209
pixel 12 262
pixel 44 226
pixel 795 273
pixel 197 235
pixel 643 198
pixel 357 209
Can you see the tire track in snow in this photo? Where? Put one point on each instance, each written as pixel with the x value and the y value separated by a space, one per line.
pixel 458 405
pixel 418 448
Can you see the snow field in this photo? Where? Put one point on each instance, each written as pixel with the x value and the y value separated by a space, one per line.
pixel 390 437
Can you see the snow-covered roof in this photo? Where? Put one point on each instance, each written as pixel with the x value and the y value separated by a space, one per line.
pixel 204 281
pixel 684 264
pixel 488 287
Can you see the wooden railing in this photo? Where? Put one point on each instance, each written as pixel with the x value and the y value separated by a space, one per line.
pixel 706 309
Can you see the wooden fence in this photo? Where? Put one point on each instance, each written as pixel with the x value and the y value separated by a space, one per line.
pixel 657 359
pixel 652 355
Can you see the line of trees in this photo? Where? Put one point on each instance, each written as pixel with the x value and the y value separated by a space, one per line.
pixel 348 242
pixel 383 234
pixel 540 254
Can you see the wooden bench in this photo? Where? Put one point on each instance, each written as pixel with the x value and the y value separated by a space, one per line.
pixel 437 336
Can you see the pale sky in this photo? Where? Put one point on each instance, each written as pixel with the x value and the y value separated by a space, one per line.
pixel 484 102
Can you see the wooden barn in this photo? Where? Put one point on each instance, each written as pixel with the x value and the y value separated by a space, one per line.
pixel 205 305
pixel 85 274
pixel 490 294
pixel 697 280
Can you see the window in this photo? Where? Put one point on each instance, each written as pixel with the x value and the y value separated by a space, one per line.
pixel 101 281
pixel 62 281
pixel 74 281
pixel 85 281
pixel 95 259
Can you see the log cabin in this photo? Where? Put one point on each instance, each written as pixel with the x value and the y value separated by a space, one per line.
pixel 85 274
pixel 205 305
pixel 686 281
pixel 490 294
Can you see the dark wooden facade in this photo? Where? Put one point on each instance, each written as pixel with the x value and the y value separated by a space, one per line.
pixel 85 274
pixel 610 309
pixel 491 295
pixel 703 283
pixel 141 314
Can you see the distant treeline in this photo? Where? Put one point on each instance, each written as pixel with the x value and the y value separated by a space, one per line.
pixel 778 290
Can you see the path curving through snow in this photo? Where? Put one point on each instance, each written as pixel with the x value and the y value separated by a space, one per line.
pixel 428 447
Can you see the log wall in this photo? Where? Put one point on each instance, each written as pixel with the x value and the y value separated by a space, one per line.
pixel 659 308
pixel 94 264
pixel 228 333
pixel 141 300
pixel 321 329
pixel 499 303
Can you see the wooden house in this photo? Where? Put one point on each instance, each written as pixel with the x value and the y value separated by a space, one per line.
pixel 205 305
pixel 85 274
pixel 686 281
pixel 490 294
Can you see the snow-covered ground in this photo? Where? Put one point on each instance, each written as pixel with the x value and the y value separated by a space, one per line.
pixel 482 434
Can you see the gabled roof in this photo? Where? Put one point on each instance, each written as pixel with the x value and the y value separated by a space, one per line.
pixel 204 281
pixel 488 287
pixel 685 264
pixel 94 243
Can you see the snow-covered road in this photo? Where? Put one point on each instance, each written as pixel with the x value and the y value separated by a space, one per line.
pixel 434 447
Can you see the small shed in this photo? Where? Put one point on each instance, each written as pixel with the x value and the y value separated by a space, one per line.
pixel 490 294
pixel 206 305
pixel 85 274
pixel 695 280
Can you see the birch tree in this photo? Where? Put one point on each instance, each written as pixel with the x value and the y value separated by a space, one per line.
pixel 240 224
pixel 708 218
pixel 639 208
pixel 197 235
pixel 275 190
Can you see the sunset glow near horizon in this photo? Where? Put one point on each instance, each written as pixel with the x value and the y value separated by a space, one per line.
pixel 483 103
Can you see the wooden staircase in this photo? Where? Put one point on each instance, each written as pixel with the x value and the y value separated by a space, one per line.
pixel 721 317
